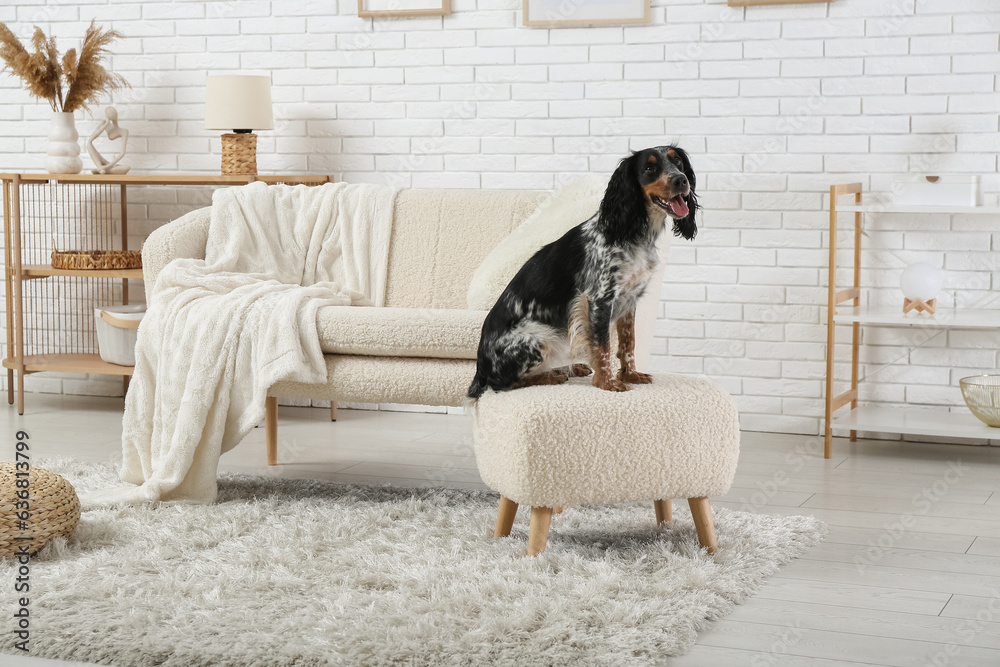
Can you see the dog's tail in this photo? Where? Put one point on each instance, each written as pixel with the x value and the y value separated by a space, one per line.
pixel 477 388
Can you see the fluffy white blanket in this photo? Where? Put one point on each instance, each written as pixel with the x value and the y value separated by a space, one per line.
pixel 220 332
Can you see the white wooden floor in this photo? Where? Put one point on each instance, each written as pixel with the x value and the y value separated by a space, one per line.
pixel 910 574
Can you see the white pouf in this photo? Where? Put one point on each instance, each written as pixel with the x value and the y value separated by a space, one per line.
pixel 551 446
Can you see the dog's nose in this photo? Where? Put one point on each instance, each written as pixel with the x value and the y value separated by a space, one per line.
pixel 679 182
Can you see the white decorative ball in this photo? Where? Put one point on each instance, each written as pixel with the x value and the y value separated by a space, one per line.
pixel 920 282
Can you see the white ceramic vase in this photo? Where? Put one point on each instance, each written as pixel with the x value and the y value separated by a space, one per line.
pixel 63 148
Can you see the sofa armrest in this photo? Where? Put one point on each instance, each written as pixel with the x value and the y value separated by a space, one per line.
pixel 184 237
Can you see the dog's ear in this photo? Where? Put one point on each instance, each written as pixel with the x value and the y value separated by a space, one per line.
pixel 623 209
pixel 686 226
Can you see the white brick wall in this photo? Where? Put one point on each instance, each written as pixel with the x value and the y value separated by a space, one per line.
pixel 775 103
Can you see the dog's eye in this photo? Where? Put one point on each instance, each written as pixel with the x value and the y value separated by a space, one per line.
pixel 650 167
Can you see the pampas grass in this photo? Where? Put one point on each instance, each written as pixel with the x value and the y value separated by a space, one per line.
pixel 80 73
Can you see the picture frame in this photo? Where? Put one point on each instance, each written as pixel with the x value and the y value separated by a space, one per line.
pixel 402 8
pixel 560 13
pixel 754 3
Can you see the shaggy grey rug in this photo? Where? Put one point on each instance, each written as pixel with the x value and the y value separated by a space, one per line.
pixel 298 572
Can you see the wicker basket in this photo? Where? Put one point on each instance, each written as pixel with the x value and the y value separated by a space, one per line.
pixel 982 395
pixel 53 509
pixel 93 260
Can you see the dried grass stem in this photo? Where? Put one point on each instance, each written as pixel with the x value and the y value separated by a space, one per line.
pixel 81 74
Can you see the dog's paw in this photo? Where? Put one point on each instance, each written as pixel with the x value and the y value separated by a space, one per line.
pixel 611 384
pixel 635 377
pixel 581 370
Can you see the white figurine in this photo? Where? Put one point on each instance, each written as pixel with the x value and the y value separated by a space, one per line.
pixel 109 125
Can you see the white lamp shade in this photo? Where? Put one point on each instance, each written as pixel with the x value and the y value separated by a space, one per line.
pixel 920 282
pixel 238 102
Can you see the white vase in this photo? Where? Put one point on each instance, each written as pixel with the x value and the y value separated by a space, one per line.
pixel 63 149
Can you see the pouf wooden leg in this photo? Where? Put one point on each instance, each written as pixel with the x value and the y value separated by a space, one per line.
pixel 701 512
pixel 538 531
pixel 664 511
pixel 560 509
pixel 505 517
pixel 271 429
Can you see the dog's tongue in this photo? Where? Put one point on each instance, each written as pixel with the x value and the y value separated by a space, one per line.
pixel 679 206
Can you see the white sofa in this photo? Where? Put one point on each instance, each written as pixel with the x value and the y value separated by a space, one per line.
pixel 420 348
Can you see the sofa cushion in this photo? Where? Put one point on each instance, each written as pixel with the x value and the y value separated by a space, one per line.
pixel 400 332
pixel 557 214
pixel 408 380
pixel 439 237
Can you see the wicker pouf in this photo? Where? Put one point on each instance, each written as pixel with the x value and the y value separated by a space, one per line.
pixel 53 509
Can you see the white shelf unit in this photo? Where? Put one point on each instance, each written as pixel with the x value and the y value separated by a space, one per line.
pixel 915 421
pixel 878 206
pixel 944 318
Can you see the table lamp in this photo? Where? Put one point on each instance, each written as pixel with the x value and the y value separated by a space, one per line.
pixel 241 103
pixel 920 283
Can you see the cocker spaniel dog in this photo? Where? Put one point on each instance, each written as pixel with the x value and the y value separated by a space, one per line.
pixel 561 305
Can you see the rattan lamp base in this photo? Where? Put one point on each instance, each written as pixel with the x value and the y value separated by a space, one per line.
pixel 239 153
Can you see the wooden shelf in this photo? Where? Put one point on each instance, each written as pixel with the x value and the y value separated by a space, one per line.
pixel 944 318
pixel 68 363
pixel 167 179
pixel 915 421
pixel 34 204
pixel 46 270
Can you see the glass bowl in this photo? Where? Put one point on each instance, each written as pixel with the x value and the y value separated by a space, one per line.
pixel 982 395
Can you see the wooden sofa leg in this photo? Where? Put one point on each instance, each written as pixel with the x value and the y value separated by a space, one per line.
pixel 271 429
pixel 701 512
pixel 664 511
pixel 538 531
pixel 505 517
pixel 333 411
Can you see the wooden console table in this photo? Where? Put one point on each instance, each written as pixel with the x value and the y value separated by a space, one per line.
pixel 50 321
